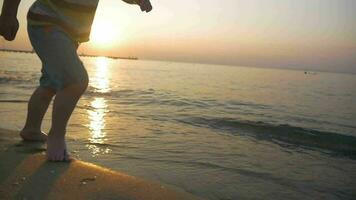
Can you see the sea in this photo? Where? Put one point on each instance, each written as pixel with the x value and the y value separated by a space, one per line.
pixel 218 132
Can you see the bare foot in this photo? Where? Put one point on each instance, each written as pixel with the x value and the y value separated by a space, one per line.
pixel 57 149
pixel 34 136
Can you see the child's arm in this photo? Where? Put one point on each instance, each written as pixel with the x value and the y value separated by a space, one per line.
pixel 9 24
pixel 145 5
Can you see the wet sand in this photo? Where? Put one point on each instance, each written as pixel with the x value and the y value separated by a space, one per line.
pixel 25 174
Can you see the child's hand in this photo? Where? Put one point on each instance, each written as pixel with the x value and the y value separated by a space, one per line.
pixel 8 27
pixel 145 5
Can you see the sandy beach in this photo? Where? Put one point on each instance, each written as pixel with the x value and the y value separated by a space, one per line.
pixel 25 174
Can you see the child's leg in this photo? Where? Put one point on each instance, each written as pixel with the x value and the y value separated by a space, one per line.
pixel 62 71
pixel 37 107
pixel 64 103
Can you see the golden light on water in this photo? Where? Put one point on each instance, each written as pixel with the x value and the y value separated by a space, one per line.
pixel 99 107
pixel 97 120
pixel 100 81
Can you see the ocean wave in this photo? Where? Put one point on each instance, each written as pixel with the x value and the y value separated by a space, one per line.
pixel 18 79
pixel 292 135
pixel 151 97
pixel 13 101
pixel 188 108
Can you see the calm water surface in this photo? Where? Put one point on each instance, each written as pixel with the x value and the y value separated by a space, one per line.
pixel 218 132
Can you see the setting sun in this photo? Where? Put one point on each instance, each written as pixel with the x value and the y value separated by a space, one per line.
pixel 104 34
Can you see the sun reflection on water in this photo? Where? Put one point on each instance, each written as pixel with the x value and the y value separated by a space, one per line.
pixel 97 120
pixel 98 109
pixel 100 81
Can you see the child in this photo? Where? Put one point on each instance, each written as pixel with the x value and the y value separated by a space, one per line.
pixel 55 28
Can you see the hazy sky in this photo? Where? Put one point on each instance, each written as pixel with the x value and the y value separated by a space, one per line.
pixel 304 34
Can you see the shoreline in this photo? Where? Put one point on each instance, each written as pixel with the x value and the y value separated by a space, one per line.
pixel 26 174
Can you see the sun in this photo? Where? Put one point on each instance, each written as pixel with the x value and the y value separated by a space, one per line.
pixel 104 34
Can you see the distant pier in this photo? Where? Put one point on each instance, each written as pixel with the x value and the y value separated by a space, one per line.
pixel 17 51
pixel 112 57
pixel 82 55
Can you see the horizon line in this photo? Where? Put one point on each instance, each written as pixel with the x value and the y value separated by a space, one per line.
pixel 305 69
